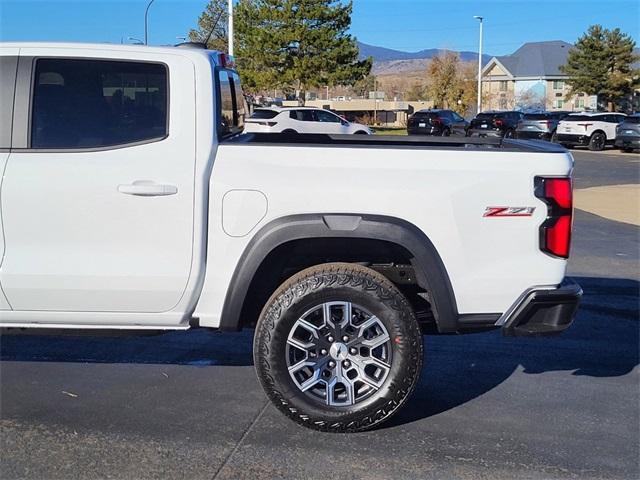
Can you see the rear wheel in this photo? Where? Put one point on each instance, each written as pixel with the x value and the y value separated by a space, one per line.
pixel 597 142
pixel 361 132
pixel 510 134
pixel 290 131
pixel 446 132
pixel 338 348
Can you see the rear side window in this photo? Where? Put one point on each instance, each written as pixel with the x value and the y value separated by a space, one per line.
pixel 97 103
pixel 632 120
pixel 264 114
pixel 231 107
pixel 302 115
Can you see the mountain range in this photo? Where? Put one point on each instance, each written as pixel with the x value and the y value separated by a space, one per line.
pixel 387 60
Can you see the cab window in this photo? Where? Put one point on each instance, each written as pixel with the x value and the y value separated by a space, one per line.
pixel 97 103
pixel 231 108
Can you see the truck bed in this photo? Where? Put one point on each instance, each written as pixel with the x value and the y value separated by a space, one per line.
pixel 395 141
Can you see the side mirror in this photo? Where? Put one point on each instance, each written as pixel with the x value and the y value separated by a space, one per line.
pixel 344 123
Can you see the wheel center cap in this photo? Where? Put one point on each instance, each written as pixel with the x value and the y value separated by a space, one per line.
pixel 339 351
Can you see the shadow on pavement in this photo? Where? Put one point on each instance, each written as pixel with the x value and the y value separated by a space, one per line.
pixel 603 342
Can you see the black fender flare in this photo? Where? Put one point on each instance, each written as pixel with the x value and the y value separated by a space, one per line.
pixel 430 271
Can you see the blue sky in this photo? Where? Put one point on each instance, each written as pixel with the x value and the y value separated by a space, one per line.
pixel 400 24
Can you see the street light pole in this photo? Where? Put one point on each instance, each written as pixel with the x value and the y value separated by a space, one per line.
pixel 477 17
pixel 230 27
pixel 146 17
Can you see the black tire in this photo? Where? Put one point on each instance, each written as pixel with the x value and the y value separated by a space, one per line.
pixel 289 131
pixel 510 134
pixel 364 288
pixel 446 132
pixel 597 142
pixel 627 150
pixel 361 132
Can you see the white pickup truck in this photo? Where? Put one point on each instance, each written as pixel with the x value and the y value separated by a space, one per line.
pixel 130 199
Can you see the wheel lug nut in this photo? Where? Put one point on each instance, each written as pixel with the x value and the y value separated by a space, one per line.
pixel 332 364
pixel 346 364
pixel 345 339
pixel 323 352
pixel 330 339
pixel 353 350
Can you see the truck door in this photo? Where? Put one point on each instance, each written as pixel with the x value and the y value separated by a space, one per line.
pixel 97 197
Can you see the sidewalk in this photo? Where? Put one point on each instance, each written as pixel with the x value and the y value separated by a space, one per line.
pixel 620 203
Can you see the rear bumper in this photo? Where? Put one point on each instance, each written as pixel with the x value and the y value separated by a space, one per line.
pixel 566 139
pixel 424 131
pixel 485 132
pixel 542 311
pixel 536 135
pixel 627 142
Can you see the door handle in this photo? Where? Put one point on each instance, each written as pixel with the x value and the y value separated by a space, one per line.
pixel 146 188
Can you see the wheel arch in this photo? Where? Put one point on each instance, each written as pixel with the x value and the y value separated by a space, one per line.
pixel 431 274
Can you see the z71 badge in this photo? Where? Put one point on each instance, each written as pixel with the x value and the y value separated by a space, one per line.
pixel 509 211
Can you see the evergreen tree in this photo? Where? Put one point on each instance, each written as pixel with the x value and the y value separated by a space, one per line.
pixel 216 11
pixel 297 44
pixel 601 64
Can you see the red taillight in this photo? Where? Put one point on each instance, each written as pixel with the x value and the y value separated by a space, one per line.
pixel 436 121
pixel 555 232
pixel 559 190
pixel 557 237
pixel 498 123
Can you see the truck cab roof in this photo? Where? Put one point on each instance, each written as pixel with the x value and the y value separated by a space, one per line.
pixel 185 49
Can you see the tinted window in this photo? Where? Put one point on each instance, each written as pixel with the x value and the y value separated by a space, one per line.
pixel 536 116
pixel 302 115
pixel 264 114
pixel 632 120
pixel 238 102
pixel 97 103
pixel 456 117
pixel 324 116
pixel 489 116
pixel 232 104
pixel 225 126
pixel 424 115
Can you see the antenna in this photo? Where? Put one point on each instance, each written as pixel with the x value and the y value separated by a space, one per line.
pixel 213 27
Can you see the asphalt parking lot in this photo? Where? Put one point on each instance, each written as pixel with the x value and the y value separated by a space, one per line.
pixel 188 404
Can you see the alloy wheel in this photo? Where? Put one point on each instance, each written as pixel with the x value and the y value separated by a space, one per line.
pixel 338 353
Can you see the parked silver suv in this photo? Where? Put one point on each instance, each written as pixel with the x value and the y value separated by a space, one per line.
pixel 540 125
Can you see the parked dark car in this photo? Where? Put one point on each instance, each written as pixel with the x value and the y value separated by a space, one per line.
pixel 436 122
pixel 495 124
pixel 628 134
pixel 540 125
